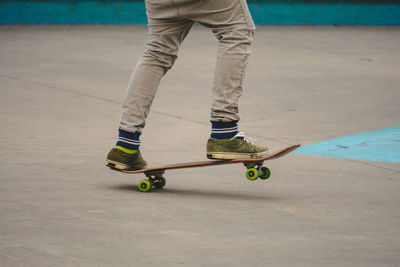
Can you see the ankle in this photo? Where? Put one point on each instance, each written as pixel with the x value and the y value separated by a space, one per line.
pixel 224 130
pixel 128 140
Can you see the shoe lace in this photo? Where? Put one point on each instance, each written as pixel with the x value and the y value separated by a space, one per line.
pixel 246 138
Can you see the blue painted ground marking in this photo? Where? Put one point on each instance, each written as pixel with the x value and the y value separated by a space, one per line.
pixel 380 145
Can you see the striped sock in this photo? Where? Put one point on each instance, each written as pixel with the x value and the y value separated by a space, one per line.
pixel 224 130
pixel 128 140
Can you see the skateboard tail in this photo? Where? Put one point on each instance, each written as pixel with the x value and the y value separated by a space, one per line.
pixel 284 152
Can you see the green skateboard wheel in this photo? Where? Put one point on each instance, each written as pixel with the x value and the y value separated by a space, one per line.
pixel 144 185
pixel 252 174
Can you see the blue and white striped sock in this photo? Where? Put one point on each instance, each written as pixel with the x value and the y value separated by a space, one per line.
pixel 128 140
pixel 224 130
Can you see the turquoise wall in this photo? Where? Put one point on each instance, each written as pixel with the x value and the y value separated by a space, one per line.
pixel 273 12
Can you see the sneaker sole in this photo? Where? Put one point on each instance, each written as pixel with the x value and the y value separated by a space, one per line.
pixel 123 167
pixel 230 155
pixel 116 165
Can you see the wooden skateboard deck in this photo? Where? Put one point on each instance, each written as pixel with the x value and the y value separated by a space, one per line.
pixel 255 169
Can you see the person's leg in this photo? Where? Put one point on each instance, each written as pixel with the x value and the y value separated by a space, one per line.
pixel 231 22
pixel 165 35
pixel 159 56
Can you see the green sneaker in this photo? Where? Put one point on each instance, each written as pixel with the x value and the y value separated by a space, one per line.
pixel 239 147
pixel 120 160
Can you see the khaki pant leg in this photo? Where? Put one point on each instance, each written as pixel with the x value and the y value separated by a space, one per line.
pixel 231 22
pixel 164 39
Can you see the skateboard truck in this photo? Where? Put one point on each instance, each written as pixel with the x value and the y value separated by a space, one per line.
pixel 256 170
pixel 155 179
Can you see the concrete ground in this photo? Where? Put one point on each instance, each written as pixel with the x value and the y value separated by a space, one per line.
pixel 61 93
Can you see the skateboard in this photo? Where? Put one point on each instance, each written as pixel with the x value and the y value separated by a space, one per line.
pixel 155 176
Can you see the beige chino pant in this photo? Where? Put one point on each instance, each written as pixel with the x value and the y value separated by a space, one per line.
pixel 169 23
